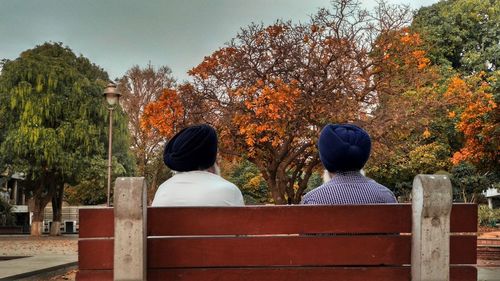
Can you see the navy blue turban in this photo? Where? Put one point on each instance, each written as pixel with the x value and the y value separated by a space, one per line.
pixel 193 148
pixel 343 147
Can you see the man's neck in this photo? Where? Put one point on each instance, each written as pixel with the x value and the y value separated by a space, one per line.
pixel 328 176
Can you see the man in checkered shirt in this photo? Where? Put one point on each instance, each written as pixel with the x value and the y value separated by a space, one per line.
pixel 344 150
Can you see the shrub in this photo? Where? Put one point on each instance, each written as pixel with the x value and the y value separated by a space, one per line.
pixel 487 216
pixel 7 218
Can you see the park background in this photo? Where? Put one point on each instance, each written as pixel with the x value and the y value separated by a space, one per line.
pixel 424 83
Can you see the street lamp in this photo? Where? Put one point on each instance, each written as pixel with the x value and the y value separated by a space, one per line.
pixel 112 96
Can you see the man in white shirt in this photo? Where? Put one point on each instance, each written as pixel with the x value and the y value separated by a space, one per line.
pixel 191 154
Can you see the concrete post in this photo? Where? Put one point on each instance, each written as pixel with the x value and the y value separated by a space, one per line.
pixel 431 204
pixel 130 229
pixel 14 193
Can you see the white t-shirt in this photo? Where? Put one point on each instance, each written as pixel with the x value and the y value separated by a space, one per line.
pixel 197 188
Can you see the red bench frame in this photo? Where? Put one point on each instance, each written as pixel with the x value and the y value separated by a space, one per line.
pixel 371 242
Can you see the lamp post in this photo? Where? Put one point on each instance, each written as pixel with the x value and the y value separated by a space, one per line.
pixel 112 96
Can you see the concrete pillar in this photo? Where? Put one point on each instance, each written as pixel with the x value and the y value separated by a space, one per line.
pixel 431 204
pixel 14 195
pixel 130 229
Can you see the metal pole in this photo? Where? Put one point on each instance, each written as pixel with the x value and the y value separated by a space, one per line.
pixel 110 142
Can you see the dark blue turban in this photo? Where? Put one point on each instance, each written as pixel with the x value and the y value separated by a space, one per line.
pixel 343 147
pixel 193 148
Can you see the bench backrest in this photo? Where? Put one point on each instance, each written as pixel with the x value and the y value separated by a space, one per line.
pixel 362 242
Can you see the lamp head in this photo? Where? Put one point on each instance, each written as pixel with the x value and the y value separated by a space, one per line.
pixel 111 94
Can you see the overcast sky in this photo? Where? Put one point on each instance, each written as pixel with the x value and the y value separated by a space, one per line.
pixel 117 34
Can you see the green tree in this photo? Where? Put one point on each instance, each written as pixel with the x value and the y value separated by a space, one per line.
pixel 7 217
pixel 468 183
pixel 463 34
pixel 90 181
pixel 54 123
pixel 246 176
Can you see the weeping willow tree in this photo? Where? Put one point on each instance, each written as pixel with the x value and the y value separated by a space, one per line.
pixel 54 123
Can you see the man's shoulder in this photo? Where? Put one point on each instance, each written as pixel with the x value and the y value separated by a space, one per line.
pixel 200 178
pixel 223 183
pixel 344 192
pixel 318 192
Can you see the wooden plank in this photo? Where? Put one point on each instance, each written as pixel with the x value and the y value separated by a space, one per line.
pixel 96 222
pixel 463 249
pixel 463 218
pixel 92 275
pixel 463 273
pixel 278 251
pixel 95 254
pixel 292 250
pixel 273 219
pixel 457 273
pixel 283 274
pixel 386 218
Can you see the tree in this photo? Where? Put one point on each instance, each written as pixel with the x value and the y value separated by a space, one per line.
pixel 463 34
pixel 90 182
pixel 473 108
pixel 7 217
pixel 248 178
pixel 463 37
pixel 54 114
pixel 161 118
pixel 140 87
pixel 468 183
pixel 403 123
pixel 272 88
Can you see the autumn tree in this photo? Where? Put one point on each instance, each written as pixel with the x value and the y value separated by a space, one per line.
pixel 52 125
pixel 402 123
pixel 473 108
pixel 459 121
pixel 140 87
pixel 272 88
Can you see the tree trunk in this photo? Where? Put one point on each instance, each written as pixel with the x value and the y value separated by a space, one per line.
pixel 464 195
pixel 55 229
pixel 37 221
pixel 152 186
pixel 270 176
pixel 278 198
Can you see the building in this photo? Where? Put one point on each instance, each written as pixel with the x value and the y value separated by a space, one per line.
pixel 12 191
pixel 493 196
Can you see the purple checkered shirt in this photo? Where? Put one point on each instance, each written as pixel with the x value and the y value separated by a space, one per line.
pixel 349 188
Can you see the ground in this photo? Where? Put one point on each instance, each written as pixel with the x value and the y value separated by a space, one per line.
pixel 43 252
pixel 67 276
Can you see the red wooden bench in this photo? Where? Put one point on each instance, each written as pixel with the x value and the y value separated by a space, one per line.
pixel 361 242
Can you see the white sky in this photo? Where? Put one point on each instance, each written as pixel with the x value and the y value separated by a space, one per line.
pixel 117 34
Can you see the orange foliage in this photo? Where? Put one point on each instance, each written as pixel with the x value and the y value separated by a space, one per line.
pixel 275 30
pixel 163 115
pixel 403 49
pixel 267 110
pixel 475 108
pixel 220 58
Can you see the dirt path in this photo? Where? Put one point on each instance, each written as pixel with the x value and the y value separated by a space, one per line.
pixel 45 245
